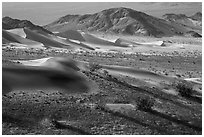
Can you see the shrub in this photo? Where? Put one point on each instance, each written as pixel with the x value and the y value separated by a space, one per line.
pixel 184 88
pixel 145 103
pixel 94 66
pixel 105 72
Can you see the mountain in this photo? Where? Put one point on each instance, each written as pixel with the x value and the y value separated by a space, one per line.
pixel 6 26
pixel 10 23
pixel 191 23
pixel 197 16
pixel 117 20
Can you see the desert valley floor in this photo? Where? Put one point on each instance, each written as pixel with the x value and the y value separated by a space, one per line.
pixel 132 90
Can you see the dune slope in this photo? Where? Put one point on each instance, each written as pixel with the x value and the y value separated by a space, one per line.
pixel 45 40
pixel 18 39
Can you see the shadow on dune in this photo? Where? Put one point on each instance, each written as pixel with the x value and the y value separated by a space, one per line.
pixel 29 124
pixel 59 125
pixel 30 78
pixel 174 119
pixel 137 121
pixel 18 122
pixel 195 99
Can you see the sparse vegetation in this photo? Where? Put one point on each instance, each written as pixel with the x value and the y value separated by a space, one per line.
pixel 105 72
pixel 94 66
pixel 184 88
pixel 145 104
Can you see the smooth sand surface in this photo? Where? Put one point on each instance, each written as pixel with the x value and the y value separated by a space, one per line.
pixel 18 31
pixel 18 39
pixel 48 42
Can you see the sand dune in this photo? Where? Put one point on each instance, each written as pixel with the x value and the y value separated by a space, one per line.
pixel 19 45
pixel 121 43
pixel 73 43
pixel 136 73
pixel 80 44
pixel 72 39
pixel 18 39
pixel 126 42
pixel 88 38
pixel 76 65
pixel 48 42
pixel 18 31
pixel 61 64
pixel 135 44
pixel 71 34
pixel 66 64
pixel 57 63
pixel 52 62
pixel 152 79
pixel 35 62
pixel 84 40
pixel 154 43
pixel 5 41
pixel 10 37
pixel 94 40
pixel 46 74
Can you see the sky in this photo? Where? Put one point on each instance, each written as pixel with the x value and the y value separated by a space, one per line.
pixel 43 13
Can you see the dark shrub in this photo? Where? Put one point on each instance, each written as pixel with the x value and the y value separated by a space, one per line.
pixel 145 103
pixel 94 66
pixel 184 88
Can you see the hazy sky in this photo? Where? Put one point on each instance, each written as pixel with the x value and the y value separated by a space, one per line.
pixel 42 13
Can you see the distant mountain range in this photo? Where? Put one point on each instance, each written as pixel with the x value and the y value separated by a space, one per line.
pixel 120 21
pixel 194 21
pixel 130 22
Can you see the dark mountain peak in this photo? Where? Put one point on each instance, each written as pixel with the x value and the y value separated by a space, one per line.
pixel 10 23
pixel 67 18
pixel 197 16
pixel 173 17
pixel 16 23
pixel 120 9
pixel 6 18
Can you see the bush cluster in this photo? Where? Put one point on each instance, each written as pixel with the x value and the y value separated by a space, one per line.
pixel 145 104
pixel 185 89
pixel 94 66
